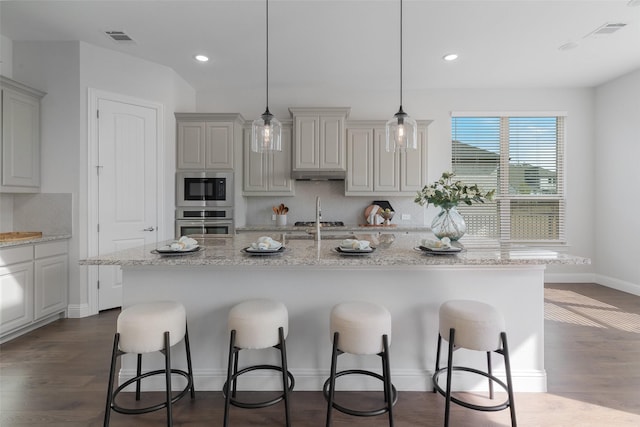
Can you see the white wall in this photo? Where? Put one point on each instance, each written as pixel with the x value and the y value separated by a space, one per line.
pixel 65 70
pixel 6 56
pixel 616 203
pixel 6 69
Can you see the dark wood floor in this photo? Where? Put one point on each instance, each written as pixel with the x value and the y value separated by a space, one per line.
pixel 56 376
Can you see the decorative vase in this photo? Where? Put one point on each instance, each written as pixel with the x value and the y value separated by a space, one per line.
pixel 449 223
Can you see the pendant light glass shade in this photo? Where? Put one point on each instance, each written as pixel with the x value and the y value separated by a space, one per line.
pixel 402 130
pixel 266 130
pixel 266 133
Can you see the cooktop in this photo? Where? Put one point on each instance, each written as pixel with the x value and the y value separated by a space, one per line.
pixel 322 223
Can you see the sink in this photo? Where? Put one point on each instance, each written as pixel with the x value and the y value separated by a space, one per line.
pixel 13 236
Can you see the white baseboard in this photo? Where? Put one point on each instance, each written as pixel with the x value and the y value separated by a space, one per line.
pixel 313 380
pixel 77 311
pixel 621 285
pixel 569 278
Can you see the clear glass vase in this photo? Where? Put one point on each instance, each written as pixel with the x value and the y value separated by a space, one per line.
pixel 449 223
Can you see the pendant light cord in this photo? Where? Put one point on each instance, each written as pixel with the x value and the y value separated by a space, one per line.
pixel 400 54
pixel 267 69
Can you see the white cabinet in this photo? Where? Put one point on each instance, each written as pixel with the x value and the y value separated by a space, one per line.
pixel 51 278
pixel 20 144
pixel 374 171
pixel 16 288
pixel 318 138
pixel 33 286
pixel 269 173
pixel 206 140
pixel 360 160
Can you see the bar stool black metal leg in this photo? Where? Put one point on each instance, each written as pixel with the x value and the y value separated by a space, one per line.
pixel 138 373
pixel 490 372
pixel 507 365
pixel 285 375
pixel 438 357
pixel 236 352
pixel 227 387
pixel 452 333
pixel 187 348
pixel 112 373
pixel 386 372
pixel 332 377
pixel 167 360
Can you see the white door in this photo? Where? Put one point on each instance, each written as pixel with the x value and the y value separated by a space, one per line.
pixel 127 187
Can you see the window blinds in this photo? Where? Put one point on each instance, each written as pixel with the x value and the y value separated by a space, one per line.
pixel 522 158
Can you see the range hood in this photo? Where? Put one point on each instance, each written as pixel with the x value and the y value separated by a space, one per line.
pixel 318 175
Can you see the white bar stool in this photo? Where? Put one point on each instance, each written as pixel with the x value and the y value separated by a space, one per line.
pixel 360 328
pixel 147 328
pixel 477 326
pixel 257 324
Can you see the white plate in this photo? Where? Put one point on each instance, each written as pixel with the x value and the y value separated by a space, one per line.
pixel 439 251
pixel 166 250
pixel 249 250
pixel 342 251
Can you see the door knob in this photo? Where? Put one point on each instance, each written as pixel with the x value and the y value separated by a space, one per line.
pixel 149 229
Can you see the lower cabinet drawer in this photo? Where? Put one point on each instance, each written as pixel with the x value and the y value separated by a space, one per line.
pixel 16 254
pixel 51 249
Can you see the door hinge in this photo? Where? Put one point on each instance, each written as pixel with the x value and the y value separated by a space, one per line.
pixel 98 227
pixel 97 114
pixel 98 283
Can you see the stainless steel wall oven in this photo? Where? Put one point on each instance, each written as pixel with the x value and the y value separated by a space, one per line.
pixel 204 204
pixel 207 222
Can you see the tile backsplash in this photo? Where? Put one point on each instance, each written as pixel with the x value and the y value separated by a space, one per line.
pixel 335 205
pixel 48 213
pixel 6 212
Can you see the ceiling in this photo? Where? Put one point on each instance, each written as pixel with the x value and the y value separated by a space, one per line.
pixel 353 43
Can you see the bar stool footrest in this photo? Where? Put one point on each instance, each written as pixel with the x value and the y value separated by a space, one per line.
pixel 439 389
pixel 264 404
pixel 161 405
pixel 357 413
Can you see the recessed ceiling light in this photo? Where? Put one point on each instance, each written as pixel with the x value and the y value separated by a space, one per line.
pixel 450 57
pixel 201 58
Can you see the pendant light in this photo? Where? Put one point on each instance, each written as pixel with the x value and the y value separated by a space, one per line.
pixel 266 130
pixel 402 130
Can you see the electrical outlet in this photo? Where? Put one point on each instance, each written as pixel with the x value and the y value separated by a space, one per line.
pixel 406 217
pixel 273 217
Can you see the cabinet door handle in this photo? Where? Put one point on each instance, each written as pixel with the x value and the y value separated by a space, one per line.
pixel 149 229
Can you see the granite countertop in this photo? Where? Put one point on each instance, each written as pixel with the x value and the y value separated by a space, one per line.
pixel 391 251
pixel 393 228
pixel 43 239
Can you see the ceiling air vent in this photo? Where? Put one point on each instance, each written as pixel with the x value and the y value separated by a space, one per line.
pixel 119 37
pixel 607 29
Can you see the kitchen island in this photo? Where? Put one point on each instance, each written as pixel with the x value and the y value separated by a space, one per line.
pixel 310 277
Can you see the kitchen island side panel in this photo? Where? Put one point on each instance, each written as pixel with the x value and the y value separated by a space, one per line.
pixel 412 295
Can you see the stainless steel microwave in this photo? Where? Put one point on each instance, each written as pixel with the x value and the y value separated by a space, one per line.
pixel 204 189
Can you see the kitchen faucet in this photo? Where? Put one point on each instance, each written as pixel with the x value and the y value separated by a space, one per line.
pixel 318 217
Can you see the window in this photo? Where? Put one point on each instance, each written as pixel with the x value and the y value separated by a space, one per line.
pixel 521 157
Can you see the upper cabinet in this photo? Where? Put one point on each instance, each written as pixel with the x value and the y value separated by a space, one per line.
pixel 269 173
pixel 206 140
pixel 374 171
pixel 20 144
pixel 318 139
